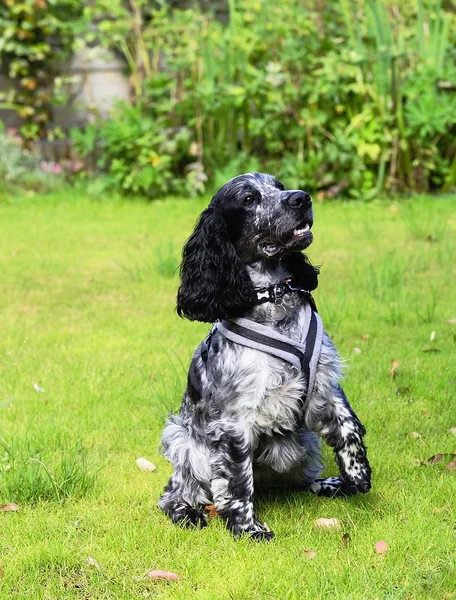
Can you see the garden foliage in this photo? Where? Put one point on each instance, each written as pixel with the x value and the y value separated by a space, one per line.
pixel 354 97
pixel 35 36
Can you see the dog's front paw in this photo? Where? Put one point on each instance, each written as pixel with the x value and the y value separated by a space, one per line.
pixel 187 516
pixel 255 530
pixel 358 478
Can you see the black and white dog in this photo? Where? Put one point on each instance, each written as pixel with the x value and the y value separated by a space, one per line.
pixel 264 385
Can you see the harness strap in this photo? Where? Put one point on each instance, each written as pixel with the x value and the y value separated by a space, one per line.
pixel 259 337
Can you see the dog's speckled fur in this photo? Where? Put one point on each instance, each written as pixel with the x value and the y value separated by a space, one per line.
pixel 243 419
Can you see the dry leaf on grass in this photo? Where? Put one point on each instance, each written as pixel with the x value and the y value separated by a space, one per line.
pixel 356 350
pixel 432 336
pixel 438 458
pixel 451 321
pixel 395 364
pixel 381 547
pixel 324 523
pixel 346 539
pixel 92 562
pixel 211 510
pixel 365 337
pixel 168 575
pixel 415 434
pixel 441 509
pixel 451 466
pixel 310 554
pixel 12 506
pixel 453 430
pixel 145 465
pixel 2 572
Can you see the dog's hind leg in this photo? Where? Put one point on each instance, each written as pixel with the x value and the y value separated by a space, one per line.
pixel 189 486
pixel 232 484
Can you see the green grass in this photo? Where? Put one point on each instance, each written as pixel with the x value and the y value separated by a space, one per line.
pixel 87 302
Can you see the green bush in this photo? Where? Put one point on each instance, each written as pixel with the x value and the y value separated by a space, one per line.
pixel 141 153
pixel 353 97
pixel 21 170
pixel 35 36
pixel 341 99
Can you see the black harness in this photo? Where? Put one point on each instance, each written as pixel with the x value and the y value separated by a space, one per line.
pixel 303 357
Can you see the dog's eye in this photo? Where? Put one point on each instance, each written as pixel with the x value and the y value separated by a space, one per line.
pixel 248 200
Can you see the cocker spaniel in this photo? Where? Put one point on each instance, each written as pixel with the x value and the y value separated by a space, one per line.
pixel 264 385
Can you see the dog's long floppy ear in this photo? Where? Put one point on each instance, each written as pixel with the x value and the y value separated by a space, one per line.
pixel 214 281
pixel 304 274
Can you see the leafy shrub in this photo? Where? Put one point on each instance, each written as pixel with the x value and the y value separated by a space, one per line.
pixel 35 34
pixel 21 170
pixel 344 98
pixel 141 154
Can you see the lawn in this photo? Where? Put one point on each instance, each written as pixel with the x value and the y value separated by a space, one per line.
pixel 93 357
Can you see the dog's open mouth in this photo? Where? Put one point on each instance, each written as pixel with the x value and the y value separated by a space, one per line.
pixel 298 235
pixel 301 232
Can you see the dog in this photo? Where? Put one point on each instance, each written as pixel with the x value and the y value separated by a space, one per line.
pixel 264 385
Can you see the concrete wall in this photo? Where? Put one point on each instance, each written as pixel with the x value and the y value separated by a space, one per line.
pixel 98 80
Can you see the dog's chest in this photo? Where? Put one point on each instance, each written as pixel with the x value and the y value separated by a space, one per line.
pixel 269 396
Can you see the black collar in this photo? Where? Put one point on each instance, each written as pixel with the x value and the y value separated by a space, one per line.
pixel 275 292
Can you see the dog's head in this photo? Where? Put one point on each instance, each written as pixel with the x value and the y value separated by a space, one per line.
pixel 251 218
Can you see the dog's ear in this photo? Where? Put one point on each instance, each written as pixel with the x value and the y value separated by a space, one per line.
pixel 214 281
pixel 305 275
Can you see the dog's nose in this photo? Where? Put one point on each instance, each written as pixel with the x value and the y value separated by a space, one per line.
pixel 299 199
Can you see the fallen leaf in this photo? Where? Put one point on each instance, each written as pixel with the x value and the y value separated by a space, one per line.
pixel 403 391
pixel 9 507
pixel 356 350
pixel 435 458
pixel 432 336
pixel 2 572
pixel 394 209
pixel 441 509
pixel 432 350
pixel 38 388
pixel 451 321
pixel 310 554
pixel 93 562
pixel 365 337
pixel 381 547
pixel 453 430
pixel 438 458
pixel 324 523
pixel 451 466
pixel 345 540
pixel 415 434
pixel 395 364
pixel 210 508
pixel 145 465
pixel 163 575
